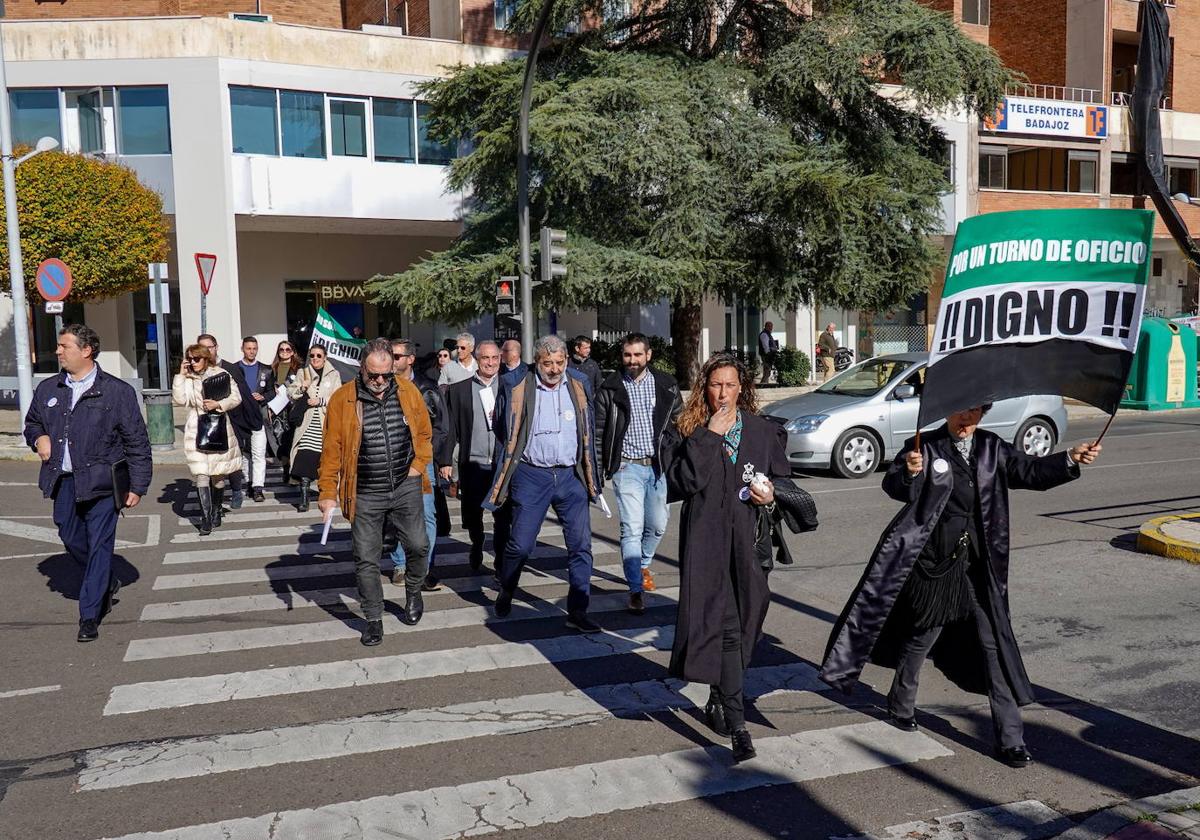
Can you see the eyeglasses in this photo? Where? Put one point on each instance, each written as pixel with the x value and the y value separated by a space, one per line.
pixel 370 376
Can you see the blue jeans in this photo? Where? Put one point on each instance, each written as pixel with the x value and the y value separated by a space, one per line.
pixel 430 525
pixel 533 491
pixel 642 506
pixel 88 531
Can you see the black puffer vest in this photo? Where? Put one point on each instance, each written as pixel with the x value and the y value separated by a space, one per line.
pixel 386 451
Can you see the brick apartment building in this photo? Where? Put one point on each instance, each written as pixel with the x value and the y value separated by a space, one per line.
pixel 1082 55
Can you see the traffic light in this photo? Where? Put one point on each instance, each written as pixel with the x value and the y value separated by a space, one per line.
pixel 553 254
pixel 506 300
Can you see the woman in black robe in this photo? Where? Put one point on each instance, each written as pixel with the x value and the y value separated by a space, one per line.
pixel 723 594
pixel 937 584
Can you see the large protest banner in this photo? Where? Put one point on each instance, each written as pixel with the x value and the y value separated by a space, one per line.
pixel 342 349
pixel 1039 302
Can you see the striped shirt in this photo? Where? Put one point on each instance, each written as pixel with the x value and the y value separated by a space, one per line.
pixel 639 437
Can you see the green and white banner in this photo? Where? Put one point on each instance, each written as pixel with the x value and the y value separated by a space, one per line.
pixel 1039 301
pixel 342 349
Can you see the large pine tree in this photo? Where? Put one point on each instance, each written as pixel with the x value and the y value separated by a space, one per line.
pixel 710 147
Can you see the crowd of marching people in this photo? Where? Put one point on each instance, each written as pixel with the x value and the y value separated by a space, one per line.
pixel 513 441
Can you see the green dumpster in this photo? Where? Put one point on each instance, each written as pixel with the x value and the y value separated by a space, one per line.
pixel 1163 373
pixel 160 419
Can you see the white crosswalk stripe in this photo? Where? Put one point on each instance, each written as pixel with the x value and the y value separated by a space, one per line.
pixel 224 641
pixel 550 796
pixel 348 673
pixel 185 661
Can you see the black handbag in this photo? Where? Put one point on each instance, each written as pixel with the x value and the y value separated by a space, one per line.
pixel 793 506
pixel 212 433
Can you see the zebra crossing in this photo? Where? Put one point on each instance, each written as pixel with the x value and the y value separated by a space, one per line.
pixel 247 654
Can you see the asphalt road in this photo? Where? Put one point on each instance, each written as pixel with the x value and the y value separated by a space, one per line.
pixel 228 692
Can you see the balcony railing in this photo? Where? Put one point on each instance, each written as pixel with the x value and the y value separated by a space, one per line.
pixel 1058 92
pixel 1124 100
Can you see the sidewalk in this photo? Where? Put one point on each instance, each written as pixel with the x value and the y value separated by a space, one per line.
pixel 1163 817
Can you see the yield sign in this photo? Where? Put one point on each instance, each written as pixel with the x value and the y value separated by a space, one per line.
pixel 206 266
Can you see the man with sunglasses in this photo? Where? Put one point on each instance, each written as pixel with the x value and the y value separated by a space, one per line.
pixel 378 446
pixel 462 367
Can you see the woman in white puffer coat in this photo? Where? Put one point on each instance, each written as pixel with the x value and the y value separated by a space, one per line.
pixel 208 469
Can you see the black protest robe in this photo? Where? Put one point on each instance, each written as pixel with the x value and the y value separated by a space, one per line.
pixel 863 632
pixel 717 542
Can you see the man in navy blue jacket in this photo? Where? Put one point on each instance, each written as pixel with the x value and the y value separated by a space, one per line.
pixel 81 423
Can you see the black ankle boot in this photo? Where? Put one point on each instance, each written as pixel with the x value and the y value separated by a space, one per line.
pixel 218 500
pixel 414 606
pixel 206 507
pixel 743 746
pixel 714 713
pixel 305 483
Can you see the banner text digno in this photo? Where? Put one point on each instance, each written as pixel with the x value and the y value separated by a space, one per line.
pixel 1030 276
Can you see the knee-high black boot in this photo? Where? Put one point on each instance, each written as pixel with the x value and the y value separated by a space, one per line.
pixel 305 484
pixel 206 509
pixel 218 497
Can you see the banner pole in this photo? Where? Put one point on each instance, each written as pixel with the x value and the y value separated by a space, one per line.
pixel 1104 431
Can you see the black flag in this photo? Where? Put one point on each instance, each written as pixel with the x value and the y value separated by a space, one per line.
pixel 1154 63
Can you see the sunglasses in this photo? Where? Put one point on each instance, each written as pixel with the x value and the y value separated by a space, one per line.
pixel 370 375
pixel 193 359
pixel 443 355
pixel 463 347
pixel 285 350
pixel 402 355
pixel 316 355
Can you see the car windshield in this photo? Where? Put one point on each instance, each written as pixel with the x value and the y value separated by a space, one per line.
pixel 866 379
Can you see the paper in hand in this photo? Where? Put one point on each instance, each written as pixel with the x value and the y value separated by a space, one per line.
pixel 279 402
pixel 604 508
pixel 328 523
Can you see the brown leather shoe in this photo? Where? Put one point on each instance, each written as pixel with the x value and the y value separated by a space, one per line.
pixel 647 581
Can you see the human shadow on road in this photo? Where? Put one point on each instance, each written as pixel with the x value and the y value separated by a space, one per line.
pixel 176 494
pixel 64 576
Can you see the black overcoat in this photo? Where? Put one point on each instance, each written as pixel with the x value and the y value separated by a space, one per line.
pixel 864 632
pixel 717 535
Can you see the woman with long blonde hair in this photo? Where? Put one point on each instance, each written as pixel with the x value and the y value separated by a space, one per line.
pixel 722 469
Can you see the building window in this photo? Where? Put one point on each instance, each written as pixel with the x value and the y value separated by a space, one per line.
pixel 395 127
pixel 1123 172
pixel 253 114
pixel 348 127
pixel 503 11
pixel 429 150
pixel 1182 176
pixel 614 321
pixel 993 165
pixel 1082 170
pixel 977 11
pixel 144 121
pixel 302 117
pixel 34 116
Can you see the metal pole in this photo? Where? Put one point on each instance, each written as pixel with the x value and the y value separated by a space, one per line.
pixel 15 272
pixel 527 314
pixel 160 327
pixel 203 312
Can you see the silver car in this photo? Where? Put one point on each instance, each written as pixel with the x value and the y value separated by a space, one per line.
pixel 861 418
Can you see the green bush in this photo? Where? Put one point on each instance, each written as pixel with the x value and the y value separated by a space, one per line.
pixel 792 366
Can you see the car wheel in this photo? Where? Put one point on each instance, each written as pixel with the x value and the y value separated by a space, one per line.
pixel 1036 437
pixel 856 454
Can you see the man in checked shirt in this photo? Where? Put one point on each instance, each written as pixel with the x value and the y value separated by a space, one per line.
pixel 635 412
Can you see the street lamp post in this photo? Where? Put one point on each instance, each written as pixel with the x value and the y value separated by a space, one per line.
pixel 527 315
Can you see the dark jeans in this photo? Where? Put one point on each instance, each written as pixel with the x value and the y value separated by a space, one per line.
pixel 733 669
pixel 474 481
pixel 1006 714
pixel 88 531
pixel 533 491
pixel 404 510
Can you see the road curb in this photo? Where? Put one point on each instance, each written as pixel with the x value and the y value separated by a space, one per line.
pixel 166 457
pixel 1111 820
pixel 1152 540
